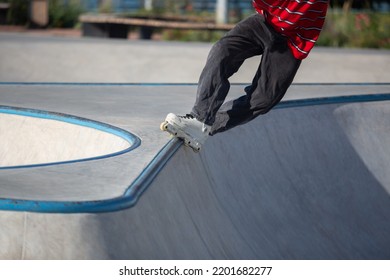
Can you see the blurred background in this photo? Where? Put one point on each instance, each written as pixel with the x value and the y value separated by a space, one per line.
pixel 350 23
pixel 168 41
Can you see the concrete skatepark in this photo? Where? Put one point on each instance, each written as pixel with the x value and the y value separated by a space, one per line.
pixel 308 180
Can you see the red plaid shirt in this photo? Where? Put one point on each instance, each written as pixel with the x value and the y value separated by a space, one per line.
pixel 300 21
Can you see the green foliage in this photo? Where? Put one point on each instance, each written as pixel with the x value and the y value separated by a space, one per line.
pixel 18 12
pixel 64 14
pixel 61 13
pixel 358 30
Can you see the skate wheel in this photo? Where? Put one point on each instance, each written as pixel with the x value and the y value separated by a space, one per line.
pixel 164 126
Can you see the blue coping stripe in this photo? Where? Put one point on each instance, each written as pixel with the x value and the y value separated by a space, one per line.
pixel 142 182
pixel 333 100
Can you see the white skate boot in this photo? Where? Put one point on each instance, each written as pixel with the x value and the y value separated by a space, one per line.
pixel 193 132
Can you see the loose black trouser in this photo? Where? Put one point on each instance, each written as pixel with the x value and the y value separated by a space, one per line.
pixel 252 36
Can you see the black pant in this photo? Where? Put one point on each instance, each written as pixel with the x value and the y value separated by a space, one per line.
pixel 252 36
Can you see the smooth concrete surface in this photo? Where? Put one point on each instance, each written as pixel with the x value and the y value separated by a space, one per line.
pixel 29 58
pixel 27 140
pixel 294 184
pixel 138 109
pixel 305 182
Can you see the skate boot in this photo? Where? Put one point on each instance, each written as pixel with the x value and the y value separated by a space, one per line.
pixel 193 132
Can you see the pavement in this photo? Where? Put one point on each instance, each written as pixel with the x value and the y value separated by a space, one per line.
pixel 308 180
pixel 35 58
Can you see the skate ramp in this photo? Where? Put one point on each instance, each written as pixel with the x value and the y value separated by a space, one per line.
pixel 308 180
pixel 298 183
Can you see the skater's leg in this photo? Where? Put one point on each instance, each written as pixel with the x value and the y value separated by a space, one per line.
pixel 245 40
pixel 275 74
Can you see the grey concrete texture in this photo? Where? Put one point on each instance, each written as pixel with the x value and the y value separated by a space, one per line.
pixel 127 108
pixel 138 109
pixel 44 141
pixel 29 58
pixel 298 183
pixel 294 184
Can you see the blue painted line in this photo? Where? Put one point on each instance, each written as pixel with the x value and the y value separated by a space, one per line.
pixel 133 140
pixel 332 100
pixel 143 181
pixel 127 200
